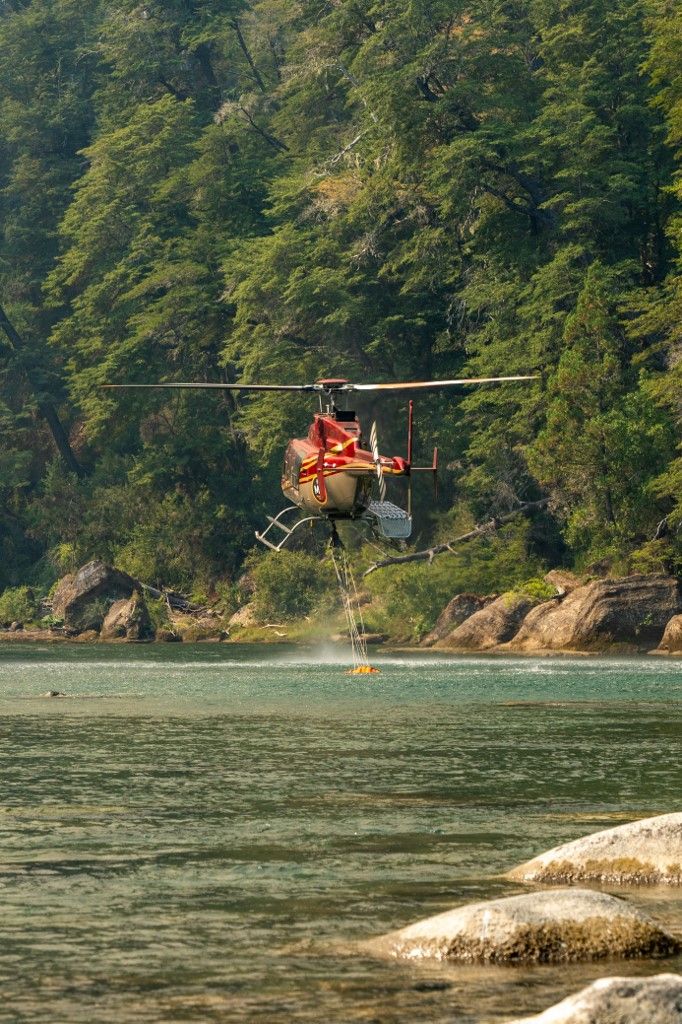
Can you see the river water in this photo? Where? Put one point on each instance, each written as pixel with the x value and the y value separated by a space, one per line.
pixel 202 833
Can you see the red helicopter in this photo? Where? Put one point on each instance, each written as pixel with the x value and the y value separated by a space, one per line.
pixel 328 475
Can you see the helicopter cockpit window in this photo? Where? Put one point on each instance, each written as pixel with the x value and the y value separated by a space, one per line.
pixel 348 419
pixel 292 467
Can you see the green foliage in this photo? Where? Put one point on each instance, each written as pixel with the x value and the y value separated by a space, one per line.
pixel 158 613
pixel 17 604
pixel 291 584
pixel 251 190
pixel 536 588
pixel 412 596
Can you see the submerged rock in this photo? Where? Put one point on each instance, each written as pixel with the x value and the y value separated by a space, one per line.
pixel 656 1000
pixel 644 852
pixel 554 926
pixel 671 642
pixel 460 608
pixel 496 623
pixel 128 619
pixel 633 610
pixel 83 600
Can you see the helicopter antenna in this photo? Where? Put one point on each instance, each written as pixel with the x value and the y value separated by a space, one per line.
pixel 410 424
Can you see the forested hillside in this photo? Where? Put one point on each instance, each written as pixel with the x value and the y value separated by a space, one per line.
pixel 286 189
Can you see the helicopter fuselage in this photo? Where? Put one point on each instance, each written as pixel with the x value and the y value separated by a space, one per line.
pixel 328 473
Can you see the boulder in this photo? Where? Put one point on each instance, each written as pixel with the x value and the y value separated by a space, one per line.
pixel 633 610
pixel 87 636
pixel 244 617
pixel 128 619
pixel 83 599
pixel 671 642
pixel 496 623
pixel 656 1000
pixel 461 607
pixel 644 852
pixel 555 926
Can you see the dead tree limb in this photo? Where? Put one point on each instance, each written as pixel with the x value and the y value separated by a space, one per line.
pixel 449 546
pixel 174 601
pixel 247 53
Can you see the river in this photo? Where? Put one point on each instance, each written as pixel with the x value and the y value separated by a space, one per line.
pixel 201 833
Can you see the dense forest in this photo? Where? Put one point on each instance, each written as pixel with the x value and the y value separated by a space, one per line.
pixel 279 190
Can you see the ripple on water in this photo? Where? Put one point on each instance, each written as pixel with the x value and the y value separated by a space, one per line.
pixel 207 839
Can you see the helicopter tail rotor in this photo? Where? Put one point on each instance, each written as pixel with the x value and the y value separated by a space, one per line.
pixel 374 445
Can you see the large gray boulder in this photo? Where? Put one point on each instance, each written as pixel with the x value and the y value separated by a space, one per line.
pixel 554 926
pixel 83 599
pixel 644 852
pixel 456 611
pixel 128 619
pixel 492 625
pixel 633 611
pixel 656 1000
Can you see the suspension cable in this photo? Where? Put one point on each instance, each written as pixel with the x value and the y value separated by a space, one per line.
pixel 351 606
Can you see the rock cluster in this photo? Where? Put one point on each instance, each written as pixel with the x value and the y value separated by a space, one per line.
pixel 570 925
pixel 100 602
pixel 83 599
pixel 656 1000
pixel 636 612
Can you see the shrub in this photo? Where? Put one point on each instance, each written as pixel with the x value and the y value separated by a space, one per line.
pixel 17 605
pixel 290 584
pixel 536 588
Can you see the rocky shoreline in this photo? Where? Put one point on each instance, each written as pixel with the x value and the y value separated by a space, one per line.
pixel 637 614
pixel 631 614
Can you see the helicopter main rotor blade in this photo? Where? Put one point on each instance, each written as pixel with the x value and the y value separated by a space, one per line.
pixel 325 387
pixel 201 386
pixel 434 384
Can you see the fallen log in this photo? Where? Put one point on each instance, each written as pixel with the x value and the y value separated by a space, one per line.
pixel 176 602
pixel 428 554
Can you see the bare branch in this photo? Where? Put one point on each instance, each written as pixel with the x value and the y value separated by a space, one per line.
pixel 478 531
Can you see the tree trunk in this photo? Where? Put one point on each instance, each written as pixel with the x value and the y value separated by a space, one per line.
pixel 45 407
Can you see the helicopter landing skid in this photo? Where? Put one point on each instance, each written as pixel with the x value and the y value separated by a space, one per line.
pixel 275 521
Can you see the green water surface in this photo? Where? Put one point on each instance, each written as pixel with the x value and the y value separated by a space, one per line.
pixel 202 833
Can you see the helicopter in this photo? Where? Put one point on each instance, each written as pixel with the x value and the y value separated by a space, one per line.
pixel 328 475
